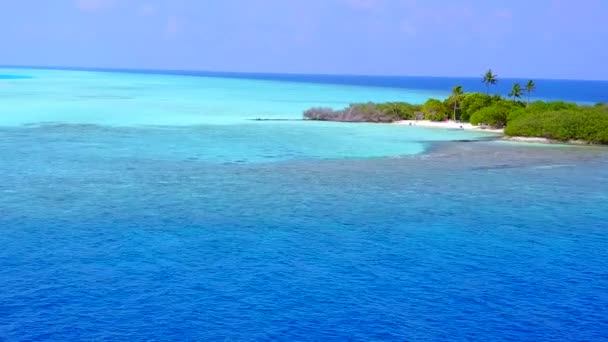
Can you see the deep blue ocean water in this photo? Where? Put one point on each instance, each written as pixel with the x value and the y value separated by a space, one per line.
pixel 238 231
pixel 580 91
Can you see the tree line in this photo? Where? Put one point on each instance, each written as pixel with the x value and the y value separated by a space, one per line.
pixel 554 119
pixel 490 79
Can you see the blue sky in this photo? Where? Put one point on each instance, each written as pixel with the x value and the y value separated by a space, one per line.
pixel 517 38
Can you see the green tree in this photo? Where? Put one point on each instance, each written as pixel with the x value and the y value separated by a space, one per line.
pixel 494 115
pixel 433 110
pixel 456 97
pixel 399 110
pixel 489 78
pixel 530 88
pixel 516 91
pixel 472 102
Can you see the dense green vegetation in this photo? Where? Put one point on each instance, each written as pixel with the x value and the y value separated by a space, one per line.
pixel 367 112
pixel 556 120
pixel 400 110
pixel 496 114
pixel 589 124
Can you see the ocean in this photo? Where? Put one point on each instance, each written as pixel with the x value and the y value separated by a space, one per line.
pixel 138 206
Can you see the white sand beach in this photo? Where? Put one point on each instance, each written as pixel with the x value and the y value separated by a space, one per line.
pixel 448 125
pixel 467 126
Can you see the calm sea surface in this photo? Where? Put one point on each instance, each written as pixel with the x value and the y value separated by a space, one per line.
pixel 138 207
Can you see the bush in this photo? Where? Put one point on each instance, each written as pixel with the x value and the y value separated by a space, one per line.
pixel 364 112
pixel 602 106
pixel 581 123
pixel 434 110
pixel 399 110
pixel 319 113
pixel 472 102
pixel 448 107
pixel 497 114
pixel 540 107
pixel 515 114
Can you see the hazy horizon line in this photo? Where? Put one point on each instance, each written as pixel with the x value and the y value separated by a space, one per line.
pixel 177 71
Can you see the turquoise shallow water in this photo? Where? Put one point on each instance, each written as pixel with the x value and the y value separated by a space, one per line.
pixel 129 213
pixel 202 117
pixel 121 99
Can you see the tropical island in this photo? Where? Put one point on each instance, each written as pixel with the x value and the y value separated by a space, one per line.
pixel 516 115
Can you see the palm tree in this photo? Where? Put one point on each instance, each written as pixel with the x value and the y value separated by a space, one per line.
pixel 530 88
pixel 516 91
pixel 456 94
pixel 489 78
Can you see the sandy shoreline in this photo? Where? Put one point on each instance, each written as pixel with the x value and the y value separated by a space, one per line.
pixel 448 125
pixel 499 131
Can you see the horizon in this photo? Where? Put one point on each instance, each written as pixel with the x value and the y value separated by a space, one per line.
pixel 261 73
pixel 390 37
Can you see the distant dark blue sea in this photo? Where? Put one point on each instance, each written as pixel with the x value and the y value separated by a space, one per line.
pixel 580 91
pixel 139 207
